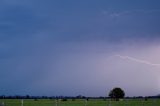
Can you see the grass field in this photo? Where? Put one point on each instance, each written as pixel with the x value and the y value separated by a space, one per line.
pixel 94 102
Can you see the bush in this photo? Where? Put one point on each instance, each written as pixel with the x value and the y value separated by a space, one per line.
pixel 64 99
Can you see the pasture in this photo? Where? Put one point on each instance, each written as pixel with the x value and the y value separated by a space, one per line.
pixel 78 102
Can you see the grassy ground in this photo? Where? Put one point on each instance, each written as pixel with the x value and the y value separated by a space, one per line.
pixel 47 102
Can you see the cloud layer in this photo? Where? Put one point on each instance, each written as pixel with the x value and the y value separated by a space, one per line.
pixel 66 47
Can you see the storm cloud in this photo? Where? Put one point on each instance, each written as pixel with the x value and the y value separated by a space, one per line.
pixel 79 47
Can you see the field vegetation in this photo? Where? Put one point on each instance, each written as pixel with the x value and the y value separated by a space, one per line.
pixel 79 102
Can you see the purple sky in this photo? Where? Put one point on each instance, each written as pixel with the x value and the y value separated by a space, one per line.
pixel 77 47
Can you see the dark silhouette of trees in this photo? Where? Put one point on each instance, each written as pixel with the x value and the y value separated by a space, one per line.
pixel 116 94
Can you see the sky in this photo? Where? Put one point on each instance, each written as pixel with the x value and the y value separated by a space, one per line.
pixel 79 47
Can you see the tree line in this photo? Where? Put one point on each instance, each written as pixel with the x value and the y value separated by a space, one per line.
pixel 114 94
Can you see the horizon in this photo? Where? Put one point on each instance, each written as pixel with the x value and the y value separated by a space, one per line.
pixel 79 47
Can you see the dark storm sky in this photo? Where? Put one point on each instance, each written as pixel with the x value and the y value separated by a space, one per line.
pixel 72 47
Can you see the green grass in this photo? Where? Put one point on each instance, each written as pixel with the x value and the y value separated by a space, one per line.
pixel 93 102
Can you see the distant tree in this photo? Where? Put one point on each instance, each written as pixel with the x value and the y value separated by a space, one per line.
pixel 35 99
pixel 87 99
pixel 27 97
pixel 73 99
pixel 79 97
pixel 146 98
pixel 116 94
pixel 64 99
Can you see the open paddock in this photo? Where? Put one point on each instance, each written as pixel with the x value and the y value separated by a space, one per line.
pixel 79 102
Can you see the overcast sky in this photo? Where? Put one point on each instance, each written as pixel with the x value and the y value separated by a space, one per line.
pixel 72 47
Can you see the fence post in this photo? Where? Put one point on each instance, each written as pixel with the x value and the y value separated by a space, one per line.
pixel 3 104
pixel 56 103
pixel 22 102
pixel 85 103
pixel 109 104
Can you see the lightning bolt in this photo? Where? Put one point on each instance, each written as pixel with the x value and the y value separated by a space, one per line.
pixel 137 60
